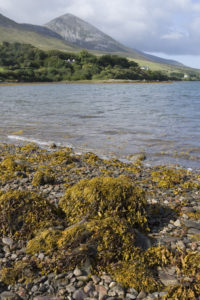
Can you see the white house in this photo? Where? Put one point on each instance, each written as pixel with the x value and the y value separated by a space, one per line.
pixel 146 68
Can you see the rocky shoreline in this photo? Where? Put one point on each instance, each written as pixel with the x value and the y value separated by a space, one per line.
pixel 137 236
pixel 107 81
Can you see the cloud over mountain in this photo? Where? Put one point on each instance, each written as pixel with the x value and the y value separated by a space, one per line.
pixel 171 26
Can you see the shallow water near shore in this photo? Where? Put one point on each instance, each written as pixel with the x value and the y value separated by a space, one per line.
pixel 111 120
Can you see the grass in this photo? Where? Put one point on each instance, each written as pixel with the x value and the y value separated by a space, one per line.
pixel 165 68
pixel 29 37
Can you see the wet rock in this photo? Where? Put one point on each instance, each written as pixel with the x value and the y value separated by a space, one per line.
pixel 166 278
pixel 23 293
pixel 180 245
pixel 162 294
pixel 46 298
pixel 41 256
pixel 171 271
pixel 89 287
pixel 192 224
pixel 177 223
pixel 9 296
pixel 150 297
pixel 193 231
pixel 154 296
pixel 61 292
pixel 131 296
pixel 79 294
pixel 119 290
pixel 77 272
pixel 60 276
pixel 112 284
pixel 53 146
pixel 82 278
pixel 101 290
pixel 70 288
pixel 13 256
pixel 72 280
pixel 142 241
pixel 34 289
pixel 70 275
pixel 141 295
pixel 7 241
pixel 112 293
pixel 187 209
pixel 106 278
pixel 95 279
pixel 133 291
pixel 184 216
pixel 79 284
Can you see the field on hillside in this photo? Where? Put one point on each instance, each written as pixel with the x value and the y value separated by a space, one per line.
pixel 37 40
pixel 165 68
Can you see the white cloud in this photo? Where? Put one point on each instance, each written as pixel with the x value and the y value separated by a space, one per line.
pixel 173 36
pixel 171 26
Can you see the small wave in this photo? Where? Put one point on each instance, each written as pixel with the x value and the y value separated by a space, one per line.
pixel 89 117
pixel 32 140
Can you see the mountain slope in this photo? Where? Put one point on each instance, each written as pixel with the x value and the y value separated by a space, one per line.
pixel 85 35
pixel 75 30
pixel 6 22
pixel 69 33
pixel 38 36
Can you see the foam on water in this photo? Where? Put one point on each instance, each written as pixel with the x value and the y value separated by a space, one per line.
pixel 36 141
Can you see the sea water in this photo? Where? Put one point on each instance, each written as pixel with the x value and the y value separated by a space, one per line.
pixel 112 120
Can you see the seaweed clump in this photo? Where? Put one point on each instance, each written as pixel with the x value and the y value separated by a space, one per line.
pixel 9 166
pixel 135 274
pixel 67 248
pixel 102 197
pixel 43 176
pixel 21 271
pixel 103 214
pixel 22 213
pixel 91 158
pixel 188 266
pixel 44 241
pixel 187 290
pixel 168 177
pixel 114 239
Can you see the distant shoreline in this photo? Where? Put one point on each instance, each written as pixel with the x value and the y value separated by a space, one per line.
pixel 109 81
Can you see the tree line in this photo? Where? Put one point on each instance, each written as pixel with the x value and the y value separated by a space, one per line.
pixel 23 62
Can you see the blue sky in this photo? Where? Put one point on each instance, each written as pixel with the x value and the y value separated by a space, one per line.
pixel 168 28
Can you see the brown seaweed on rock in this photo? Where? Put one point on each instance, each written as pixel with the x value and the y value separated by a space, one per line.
pixel 23 213
pixel 103 197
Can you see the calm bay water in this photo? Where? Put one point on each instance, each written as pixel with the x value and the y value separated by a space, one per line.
pixel 118 120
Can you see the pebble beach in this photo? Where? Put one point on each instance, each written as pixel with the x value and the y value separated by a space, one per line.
pixel 61 240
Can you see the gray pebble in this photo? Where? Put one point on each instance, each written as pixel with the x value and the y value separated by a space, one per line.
pixel 77 272
pixel 141 295
pixel 7 241
pixel 131 296
pixel 79 294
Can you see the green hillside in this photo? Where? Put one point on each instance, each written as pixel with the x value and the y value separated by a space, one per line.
pixel 25 63
pixel 169 69
pixel 46 39
pixel 38 40
pixel 155 66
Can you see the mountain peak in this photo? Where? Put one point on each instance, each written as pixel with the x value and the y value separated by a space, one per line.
pixel 77 31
